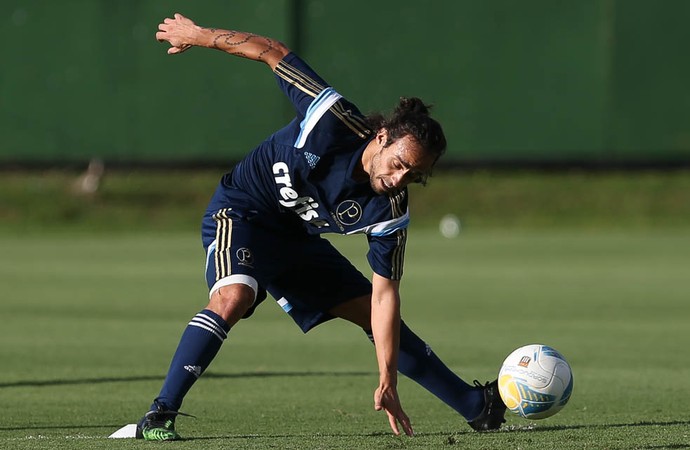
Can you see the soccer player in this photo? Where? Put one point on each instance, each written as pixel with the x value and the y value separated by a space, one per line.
pixel 330 170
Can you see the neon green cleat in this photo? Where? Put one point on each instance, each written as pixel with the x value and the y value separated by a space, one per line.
pixel 158 425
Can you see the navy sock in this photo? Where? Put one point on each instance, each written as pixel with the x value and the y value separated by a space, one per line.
pixel 418 362
pixel 198 346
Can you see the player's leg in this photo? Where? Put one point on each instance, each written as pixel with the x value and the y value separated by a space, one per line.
pixel 418 362
pixel 324 285
pixel 201 341
pixel 233 294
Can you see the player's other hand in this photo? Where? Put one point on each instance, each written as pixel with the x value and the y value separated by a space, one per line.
pixel 386 398
pixel 179 32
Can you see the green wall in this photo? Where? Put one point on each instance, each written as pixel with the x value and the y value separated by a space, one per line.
pixel 529 81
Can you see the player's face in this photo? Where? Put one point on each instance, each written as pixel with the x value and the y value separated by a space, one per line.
pixel 401 163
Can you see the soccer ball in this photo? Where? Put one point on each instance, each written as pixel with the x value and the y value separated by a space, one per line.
pixel 535 381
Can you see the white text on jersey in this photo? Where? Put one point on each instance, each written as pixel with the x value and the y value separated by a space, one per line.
pixel 305 207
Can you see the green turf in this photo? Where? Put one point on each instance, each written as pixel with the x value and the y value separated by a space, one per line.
pixel 175 200
pixel 89 323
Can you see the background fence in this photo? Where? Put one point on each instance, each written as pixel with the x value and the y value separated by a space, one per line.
pixel 590 81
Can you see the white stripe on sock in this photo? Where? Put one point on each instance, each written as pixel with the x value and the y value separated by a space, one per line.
pixel 209 329
pixel 206 320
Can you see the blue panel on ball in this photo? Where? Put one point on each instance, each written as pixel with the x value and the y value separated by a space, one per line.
pixel 549 351
pixel 534 402
pixel 566 394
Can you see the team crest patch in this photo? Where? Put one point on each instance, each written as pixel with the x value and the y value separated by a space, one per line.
pixel 524 361
pixel 244 257
pixel 348 212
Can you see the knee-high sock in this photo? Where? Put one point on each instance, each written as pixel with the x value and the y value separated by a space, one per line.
pixel 198 346
pixel 418 362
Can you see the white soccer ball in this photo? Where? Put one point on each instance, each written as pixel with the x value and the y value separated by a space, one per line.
pixel 535 381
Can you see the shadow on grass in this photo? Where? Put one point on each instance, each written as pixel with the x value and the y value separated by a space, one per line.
pixel 58 427
pixel 451 439
pixel 666 447
pixel 212 375
pixel 537 428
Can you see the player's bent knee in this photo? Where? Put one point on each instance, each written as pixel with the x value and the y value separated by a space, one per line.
pixel 232 301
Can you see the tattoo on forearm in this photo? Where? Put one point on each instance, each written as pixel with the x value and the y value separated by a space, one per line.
pixel 269 47
pixel 224 40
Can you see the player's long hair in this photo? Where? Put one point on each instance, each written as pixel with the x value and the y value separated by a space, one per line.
pixel 411 118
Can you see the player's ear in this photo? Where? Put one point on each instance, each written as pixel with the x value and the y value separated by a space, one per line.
pixel 382 137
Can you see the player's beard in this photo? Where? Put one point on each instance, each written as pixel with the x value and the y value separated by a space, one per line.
pixel 374 179
pixel 377 181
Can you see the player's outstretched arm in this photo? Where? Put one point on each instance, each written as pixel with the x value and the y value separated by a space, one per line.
pixel 385 325
pixel 182 33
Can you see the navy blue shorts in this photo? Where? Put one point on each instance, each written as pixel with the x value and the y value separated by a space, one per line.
pixel 305 274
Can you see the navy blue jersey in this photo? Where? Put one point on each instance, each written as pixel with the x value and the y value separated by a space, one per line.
pixel 300 179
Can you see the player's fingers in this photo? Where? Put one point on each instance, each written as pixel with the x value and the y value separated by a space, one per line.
pixel 405 422
pixel 378 404
pixel 393 423
pixel 177 50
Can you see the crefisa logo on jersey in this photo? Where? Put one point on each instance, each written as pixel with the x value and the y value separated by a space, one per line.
pixel 348 212
pixel 304 207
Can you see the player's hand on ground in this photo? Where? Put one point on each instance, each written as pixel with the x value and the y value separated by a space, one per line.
pixel 386 398
pixel 179 32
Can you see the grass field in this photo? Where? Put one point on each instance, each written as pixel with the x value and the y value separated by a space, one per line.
pixel 90 320
pixel 174 200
